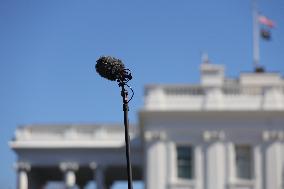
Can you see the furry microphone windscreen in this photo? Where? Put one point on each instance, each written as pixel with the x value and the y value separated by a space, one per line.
pixel 110 68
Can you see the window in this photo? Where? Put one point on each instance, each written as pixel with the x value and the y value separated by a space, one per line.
pixel 244 161
pixel 185 162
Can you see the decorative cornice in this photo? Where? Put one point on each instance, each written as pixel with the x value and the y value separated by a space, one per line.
pixel 67 166
pixel 273 135
pixel 155 135
pixel 22 166
pixel 210 136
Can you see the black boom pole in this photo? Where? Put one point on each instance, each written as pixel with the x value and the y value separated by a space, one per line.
pixel 124 95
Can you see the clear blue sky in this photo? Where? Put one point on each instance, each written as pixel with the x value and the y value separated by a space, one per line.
pixel 48 51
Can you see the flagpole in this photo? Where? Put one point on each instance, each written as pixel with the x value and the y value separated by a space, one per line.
pixel 255 34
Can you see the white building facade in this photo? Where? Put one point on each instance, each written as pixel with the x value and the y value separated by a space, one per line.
pixel 221 134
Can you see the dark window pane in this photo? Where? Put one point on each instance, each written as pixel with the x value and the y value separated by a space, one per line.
pixel 185 162
pixel 244 161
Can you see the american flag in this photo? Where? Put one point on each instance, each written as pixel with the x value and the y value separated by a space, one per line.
pixel 266 21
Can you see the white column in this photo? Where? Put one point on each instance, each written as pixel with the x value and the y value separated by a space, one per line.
pixel 99 176
pixel 22 179
pixel 215 157
pixel 69 169
pixel 273 165
pixel 171 162
pixel 198 158
pixel 22 169
pixel 257 167
pixel 156 161
pixel 231 164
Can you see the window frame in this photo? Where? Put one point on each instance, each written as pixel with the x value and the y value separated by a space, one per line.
pixel 251 162
pixel 192 162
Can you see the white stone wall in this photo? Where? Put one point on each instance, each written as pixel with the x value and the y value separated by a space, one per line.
pixel 214 139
